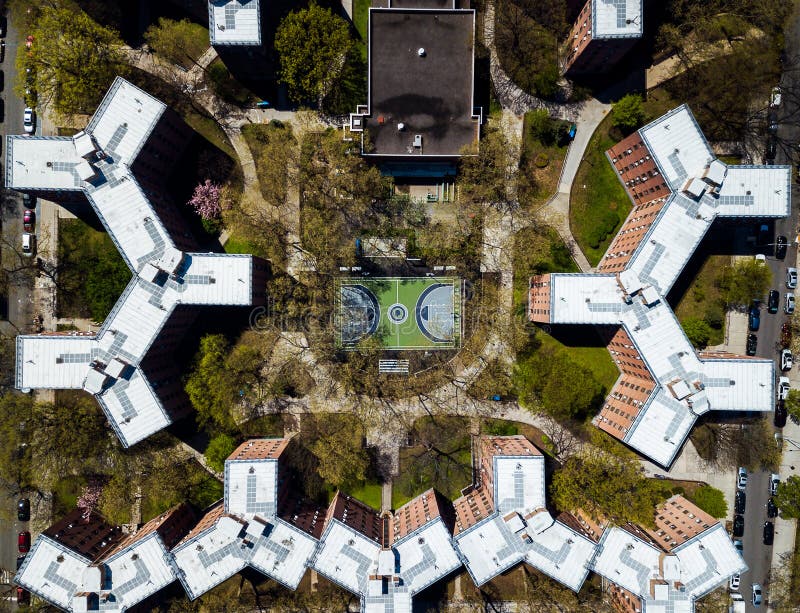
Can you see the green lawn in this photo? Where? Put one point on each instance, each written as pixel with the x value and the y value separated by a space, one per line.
pixel 540 165
pixel 412 313
pixel 594 358
pixel 361 18
pixel 238 245
pixel 368 493
pixel 598 199
pixel 702 299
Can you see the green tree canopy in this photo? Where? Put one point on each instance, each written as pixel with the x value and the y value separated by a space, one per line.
pixel 218 450
pixel 788 497
pixel 609 485
pixel 484 177
pixel 711 500
pixel 628 113
pixel 792 404
pixel 181 42
pixel 697 331
pixel 313 45
pixel 547 377
pixel 746 280
pixel 343 461
pixel 73 61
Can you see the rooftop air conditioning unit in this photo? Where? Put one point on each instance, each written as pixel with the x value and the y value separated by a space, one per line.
pixel 418 141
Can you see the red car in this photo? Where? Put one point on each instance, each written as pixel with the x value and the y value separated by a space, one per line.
pixel 28 219
pixel 24 542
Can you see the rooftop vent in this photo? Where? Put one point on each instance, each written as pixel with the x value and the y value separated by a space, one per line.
pixel 401 126
pixel 421 52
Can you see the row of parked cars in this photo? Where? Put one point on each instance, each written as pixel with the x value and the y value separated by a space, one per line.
pixel 23 544
pixel 768 534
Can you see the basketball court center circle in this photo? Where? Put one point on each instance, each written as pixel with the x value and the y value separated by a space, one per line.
pixel 397 313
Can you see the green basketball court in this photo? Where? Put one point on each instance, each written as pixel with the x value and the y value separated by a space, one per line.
pixel 403 312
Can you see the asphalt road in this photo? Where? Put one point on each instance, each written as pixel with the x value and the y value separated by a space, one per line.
pixel 756 554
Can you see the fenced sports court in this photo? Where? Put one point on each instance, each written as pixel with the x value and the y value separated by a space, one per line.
pixel 404 312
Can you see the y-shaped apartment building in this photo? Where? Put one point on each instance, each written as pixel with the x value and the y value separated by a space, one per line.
pixel 82 564
pixel 678 188
pixel 118 163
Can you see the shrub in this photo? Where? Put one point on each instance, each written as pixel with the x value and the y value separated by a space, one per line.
pixel 219 448
pixel 697 331
pixel 541 160
pixel 711 500
pixel 628 113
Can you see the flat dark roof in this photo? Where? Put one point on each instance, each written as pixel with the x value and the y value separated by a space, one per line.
pixel 430 95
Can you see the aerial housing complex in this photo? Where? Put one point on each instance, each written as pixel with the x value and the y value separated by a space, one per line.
pixel 678 188
pixel 603 32
pixel 421 85
pixel 81 564
pixel 118 164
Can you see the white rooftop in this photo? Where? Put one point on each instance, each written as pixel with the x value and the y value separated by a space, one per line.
pixel 58 574
pixel 251 487
pixel 522 529
pixel 234 22
pixel 164 277
pixel 616 18
pixel 698 566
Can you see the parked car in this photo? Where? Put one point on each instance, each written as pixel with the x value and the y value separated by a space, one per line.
pixel 780 414
pixel 788 306
pixel 739 546
pixel 786 334
pixel 791 278
pixel 23 595
pixel 741 481
pixel 739 502
pixel 772 147
pixel 734 582
pixel 780 247
pixel 20 560
pixel 774 481
pixel 28 220
pixel 754 317
pixel 772 509
pixel 28 120
pixel 23 509
pixel 775 97
pixel 773 299
pixel 769 532
pixel 28 243
pixel 3 27
pixel 738 525
pixel 763 234
pixel 786 360
pixel 783 387
pixel 756 595
pixel 28 201
pixel 752 344
pixel 24 542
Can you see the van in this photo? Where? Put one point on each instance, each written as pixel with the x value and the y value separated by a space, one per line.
pixel 28 243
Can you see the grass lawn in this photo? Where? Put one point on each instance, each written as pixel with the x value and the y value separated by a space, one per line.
pixel 594 358
pixel 596 194
pixel 702 299
pixel 658 102
pixel 368 493
pixel 361 17
pixel 66 493
pixel 235 244
pixel 538 184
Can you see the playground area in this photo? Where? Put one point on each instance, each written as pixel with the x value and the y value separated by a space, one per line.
pixel 403 312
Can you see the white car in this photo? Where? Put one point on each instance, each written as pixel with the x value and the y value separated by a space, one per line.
pixel 28 120
pixel 741 480
pixel 734 582
pixel 775 97
pixel 756 595
pixel 791 278
pixel 786 360
pixel 788 306
pixel 774 480
pixel 783 388
pixel 28 243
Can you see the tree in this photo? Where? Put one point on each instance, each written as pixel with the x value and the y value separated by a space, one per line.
pixel 485 177
pixel 218 450
pixel 206 200
pixel 697 331
pixel 743 282
pixel 792 404
pixel 628 113
pixel 343 461
pixel 711 500
pixel 605 484
pixel 313 45
pixel 547 377
pixel 542 127
pixel 181 42
pixel 209 385
pixel 73 61
pixel 788 497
